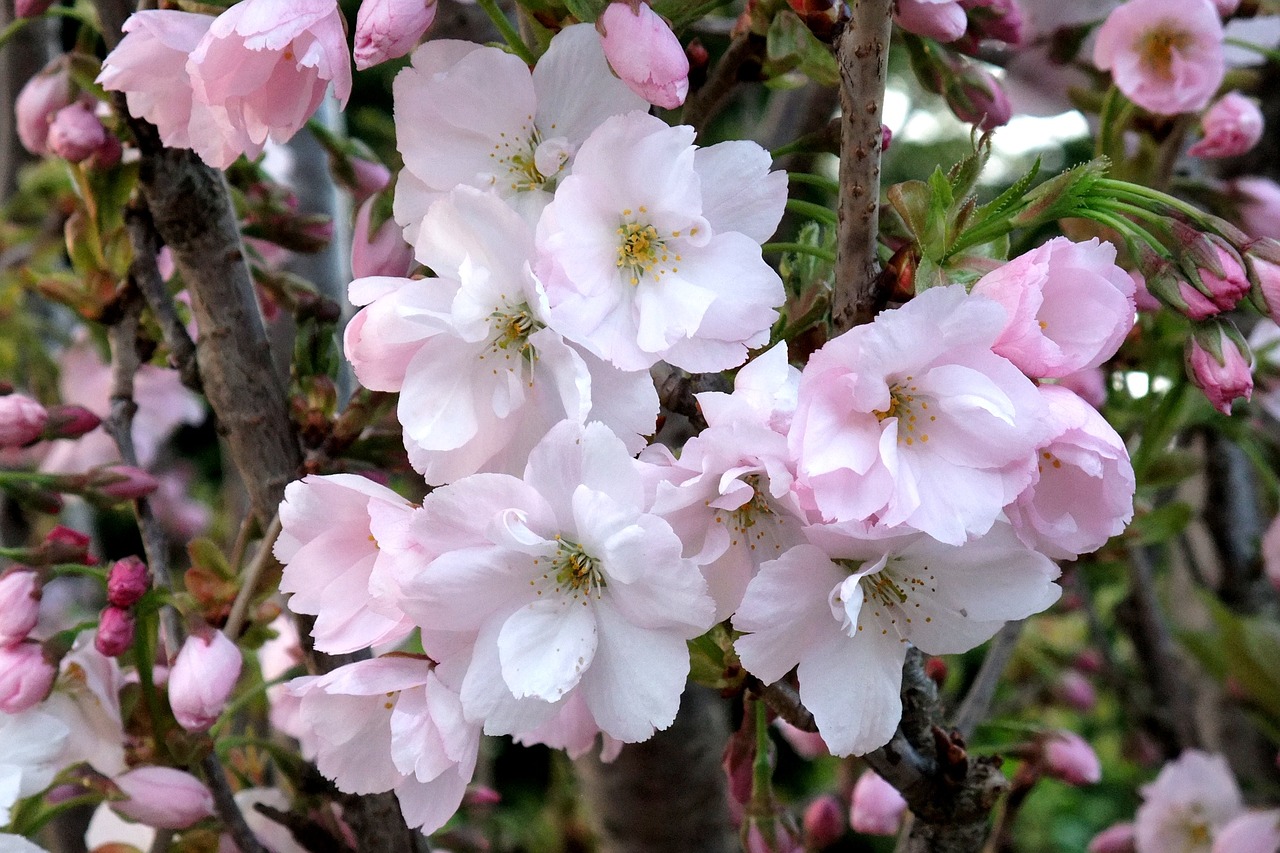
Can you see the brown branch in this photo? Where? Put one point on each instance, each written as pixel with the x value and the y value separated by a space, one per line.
pixel 863 56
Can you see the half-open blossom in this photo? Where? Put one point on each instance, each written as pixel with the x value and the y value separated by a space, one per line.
pixel 845 614
pixel 1165 57
pixel 386 29
pixel 1191 799
pixel 263 73
pixel 19 605
pixel 390 724
pixel 331 554
pixel 202 679
pixel 652 247
pixel 913 421
pixel 1069 306
pixel 566 583
pixel 481 376
pixel 22 420
pixel 876 807
pixel 163 797
pixel 467 114
pixel 644 52
pixel 1082 490
pixel 1231 127
pixel 943 20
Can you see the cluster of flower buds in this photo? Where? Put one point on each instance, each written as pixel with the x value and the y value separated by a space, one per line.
pixel 26 674
pixel 127 581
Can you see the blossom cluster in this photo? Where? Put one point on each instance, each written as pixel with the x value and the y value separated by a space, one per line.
pixel 908 487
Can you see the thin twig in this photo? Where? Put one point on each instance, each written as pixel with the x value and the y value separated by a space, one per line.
pixel 249 579
pixel 863 55
pixel 977 702
pixel 225 804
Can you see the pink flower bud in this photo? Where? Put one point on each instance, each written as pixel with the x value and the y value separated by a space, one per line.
pixel 877 806
pixel 19 605
pixel 44 95
pixel 386 29
pixel 76 133
pixel 127 581
pixel 22 420
pixel 116 628
pixel 1114 839
pixel 1231 127
pixel 1076 691
pixel 1068 757
pixel 644 53
pixel 384 252
pixel 163 797
pixel 124 482
pixel 202 678
pixel 1219 363
pixel 30 8
pixel 823 822
pixel 25 677
pixel 70 422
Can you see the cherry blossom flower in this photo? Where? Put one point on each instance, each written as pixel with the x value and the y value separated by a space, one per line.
pixel 652 247
pixel 330 555
pixel 1069 306
pixel 467 114
pixel 1192 798
pixel 1082 491
pixel 1165 57
pixel 563 583
pixel 481 377
pixel 31 745
pixel 1231 127
pixel 913 421
pixel 262 68
pixel 390 724
pixel 846 612
pixel 645 53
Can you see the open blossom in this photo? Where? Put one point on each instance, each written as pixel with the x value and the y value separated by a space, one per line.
pixel 652 247
pixel 390 724
pixel 1082 491
pixel 467 114
pixel 1069 306
pixel 1232 126
pixel 913 421
pixel 645 53
pixel 1191 799
pixel 331 555
pixel 567 586
pixel 1164 56
pixel 847 611
pixel 386 29
pixel 481 376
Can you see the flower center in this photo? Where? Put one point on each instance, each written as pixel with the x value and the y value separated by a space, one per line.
pixel 911 412
pixel 575 572
pixel 1158 46
pixel 642 250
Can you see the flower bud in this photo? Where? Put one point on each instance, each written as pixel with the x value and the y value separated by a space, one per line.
pixel 76 133
pixel 202 678
pixel 19 605
pixel 644 53
pixel 70 422
pixel 163 797
pixel 127 581
pixel 877 807
pixel 1219 363
pixel 40 99
pixel 1068 757
pixel 25 677
pixel 1231 127
pixel 384 252
pixel 1118 838
pixel 116 628
pixel 386 29
pixel 823 822
pixel 123 482
pixel 22 420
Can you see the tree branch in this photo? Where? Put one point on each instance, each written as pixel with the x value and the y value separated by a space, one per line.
pixel 863 55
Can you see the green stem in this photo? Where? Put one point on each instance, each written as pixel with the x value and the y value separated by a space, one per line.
pixel 801 249
pixel 811 210
pixel 509 33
